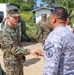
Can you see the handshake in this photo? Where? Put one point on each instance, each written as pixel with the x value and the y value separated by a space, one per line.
pixel 37 52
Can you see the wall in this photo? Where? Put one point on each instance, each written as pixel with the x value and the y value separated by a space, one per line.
pixel 3 9
pixel 42 11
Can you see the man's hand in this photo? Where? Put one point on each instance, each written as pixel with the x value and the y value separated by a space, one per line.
pixel 36 52
pixel 38 41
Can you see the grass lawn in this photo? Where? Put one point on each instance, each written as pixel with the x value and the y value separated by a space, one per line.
pixel 31 32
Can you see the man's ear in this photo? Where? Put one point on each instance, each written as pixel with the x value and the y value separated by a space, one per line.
pixel 54 19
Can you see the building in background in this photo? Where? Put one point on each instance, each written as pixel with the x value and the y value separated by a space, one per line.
pixel 41 10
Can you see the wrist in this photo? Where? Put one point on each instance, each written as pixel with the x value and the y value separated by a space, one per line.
pixel 27 51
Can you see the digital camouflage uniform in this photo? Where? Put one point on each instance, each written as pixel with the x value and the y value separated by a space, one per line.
pixel 59 52
pixel 13 54
pixel 21 27
pixel 43 30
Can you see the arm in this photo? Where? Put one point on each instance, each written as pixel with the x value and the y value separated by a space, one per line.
pixel 3 22
pixel 4 19
pixel 11 46
pixel 8 45
pixel 52 53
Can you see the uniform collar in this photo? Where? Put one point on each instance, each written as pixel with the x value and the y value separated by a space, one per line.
pixel 60 26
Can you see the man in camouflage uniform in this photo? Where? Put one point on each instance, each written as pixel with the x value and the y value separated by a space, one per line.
pixel 21 26
pixel 13 54
pixel 43 29
pixel 69 24
pixel 59 46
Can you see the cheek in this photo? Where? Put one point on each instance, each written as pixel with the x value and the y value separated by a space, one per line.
pixel 10 19
pixel 50 20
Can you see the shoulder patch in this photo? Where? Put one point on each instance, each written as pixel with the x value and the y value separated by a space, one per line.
pixel 48 45
pixel 49 53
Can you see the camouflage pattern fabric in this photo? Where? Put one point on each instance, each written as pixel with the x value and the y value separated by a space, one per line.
pixel 13 54
pixel 43 30
pixel 21 27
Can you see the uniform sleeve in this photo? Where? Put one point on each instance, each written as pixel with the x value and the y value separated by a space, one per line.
pixel 2 24
pixel 52 53
pixel 8 45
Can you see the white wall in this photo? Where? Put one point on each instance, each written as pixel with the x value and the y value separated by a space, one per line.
pixel 3 9
pixel 42 11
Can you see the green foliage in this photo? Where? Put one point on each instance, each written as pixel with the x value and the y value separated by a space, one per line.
pixel 32 3
pixel 26 15
pixel 25 7
pixel 29 5
pixel 32 31
pixel 72 13
pixel 68 4
pixel 72 19
pixel 11 1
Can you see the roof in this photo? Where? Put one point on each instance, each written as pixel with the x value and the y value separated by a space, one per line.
pixel 42 8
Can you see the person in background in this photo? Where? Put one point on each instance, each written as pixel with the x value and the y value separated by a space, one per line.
pixel 59 45
pixel 69 24
pixel 13 54
pixel 43 29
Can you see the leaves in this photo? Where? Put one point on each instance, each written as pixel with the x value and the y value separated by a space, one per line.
pixel 25 7
pixel 68 4
pixel 26 15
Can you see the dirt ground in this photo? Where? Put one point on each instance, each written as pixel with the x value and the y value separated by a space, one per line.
pixel 33 65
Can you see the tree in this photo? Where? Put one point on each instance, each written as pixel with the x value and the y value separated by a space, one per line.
pixel 49 2
pixel 68 4
pixel 25 7
pixel 32 3
pixel 11 1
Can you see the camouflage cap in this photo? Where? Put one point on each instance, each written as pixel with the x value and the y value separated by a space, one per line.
pixel 44 15
pixel 12 9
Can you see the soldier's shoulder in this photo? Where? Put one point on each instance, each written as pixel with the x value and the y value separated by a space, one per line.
pixel 6 29
pixel 40 22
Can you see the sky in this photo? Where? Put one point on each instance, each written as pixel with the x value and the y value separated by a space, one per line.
pixel 38 2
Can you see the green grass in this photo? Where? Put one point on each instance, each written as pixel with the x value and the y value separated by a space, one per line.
pixel 31 31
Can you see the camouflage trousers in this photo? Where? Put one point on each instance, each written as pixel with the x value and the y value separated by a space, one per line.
pixel 13 67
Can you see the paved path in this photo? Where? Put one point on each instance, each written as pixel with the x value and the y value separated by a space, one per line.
pixel 33 65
